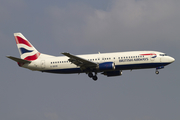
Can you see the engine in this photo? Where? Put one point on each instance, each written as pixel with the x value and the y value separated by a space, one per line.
pixel 106 66
pixel 112 73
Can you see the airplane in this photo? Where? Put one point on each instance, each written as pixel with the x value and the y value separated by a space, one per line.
pixel 108 64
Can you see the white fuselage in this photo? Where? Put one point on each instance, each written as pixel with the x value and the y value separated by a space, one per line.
pixel 122 60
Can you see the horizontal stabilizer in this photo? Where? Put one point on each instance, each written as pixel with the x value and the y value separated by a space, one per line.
pixel 18 59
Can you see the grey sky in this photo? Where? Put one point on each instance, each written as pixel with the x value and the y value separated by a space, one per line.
pixel 82 27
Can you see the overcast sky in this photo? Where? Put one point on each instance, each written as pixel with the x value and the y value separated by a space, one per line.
pixel 83 27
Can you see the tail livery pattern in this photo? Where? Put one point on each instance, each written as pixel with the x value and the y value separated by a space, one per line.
pixel 26 49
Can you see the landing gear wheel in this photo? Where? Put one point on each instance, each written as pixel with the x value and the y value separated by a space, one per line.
pixel 94 78
pixel 157 72
pixel 90 75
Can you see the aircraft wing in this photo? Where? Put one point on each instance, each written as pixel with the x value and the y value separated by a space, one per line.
pixel 83 63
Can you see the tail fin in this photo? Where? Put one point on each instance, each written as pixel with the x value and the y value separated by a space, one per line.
pixel 26 49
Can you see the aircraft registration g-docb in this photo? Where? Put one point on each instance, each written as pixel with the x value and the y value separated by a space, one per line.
pixel 108 64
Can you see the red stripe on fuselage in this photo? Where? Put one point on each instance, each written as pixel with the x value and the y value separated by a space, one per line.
pixel 148 54
pixel 20 40
pixel 33 57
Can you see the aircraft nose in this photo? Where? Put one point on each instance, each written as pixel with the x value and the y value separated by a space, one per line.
pixel 171 59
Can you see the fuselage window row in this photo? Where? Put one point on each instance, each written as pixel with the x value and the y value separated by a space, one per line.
pixel 129 57
pixel 97 59
pixel 59 62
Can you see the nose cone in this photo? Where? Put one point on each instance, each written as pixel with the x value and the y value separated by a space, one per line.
pixel 171 59
pixel 167 59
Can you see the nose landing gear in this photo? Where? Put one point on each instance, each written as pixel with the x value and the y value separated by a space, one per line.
pixel 160 67
pixel 157 72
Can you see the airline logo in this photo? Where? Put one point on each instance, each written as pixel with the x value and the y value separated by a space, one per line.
pixel 26 50
pixel 153 55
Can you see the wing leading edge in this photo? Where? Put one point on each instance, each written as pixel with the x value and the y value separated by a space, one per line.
pixel 83 63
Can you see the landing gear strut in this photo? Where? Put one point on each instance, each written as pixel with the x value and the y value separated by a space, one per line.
pixel 94 77
pixel 160 67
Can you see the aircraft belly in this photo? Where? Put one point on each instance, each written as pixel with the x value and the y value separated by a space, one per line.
pixel 64 71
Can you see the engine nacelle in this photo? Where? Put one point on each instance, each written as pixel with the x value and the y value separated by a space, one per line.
pixel 112 73
pixel 106 66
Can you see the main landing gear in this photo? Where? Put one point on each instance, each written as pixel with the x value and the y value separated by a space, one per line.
pixel 94 77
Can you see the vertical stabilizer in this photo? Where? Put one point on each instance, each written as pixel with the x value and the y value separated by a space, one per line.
pixel 26 49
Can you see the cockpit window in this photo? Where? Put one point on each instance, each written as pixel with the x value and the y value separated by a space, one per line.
pixel 163 54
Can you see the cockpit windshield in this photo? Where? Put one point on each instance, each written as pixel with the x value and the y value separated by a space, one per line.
pixel 163 54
